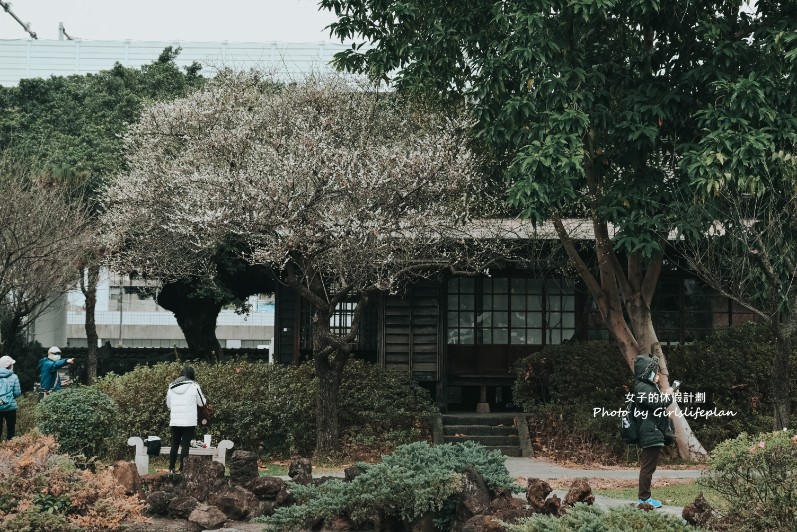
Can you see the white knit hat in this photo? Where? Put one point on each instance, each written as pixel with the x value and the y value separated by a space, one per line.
pixel 6 362
pixel 53 350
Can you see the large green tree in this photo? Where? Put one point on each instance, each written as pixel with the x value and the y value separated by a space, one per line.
pixel 582 103
pixel 742 216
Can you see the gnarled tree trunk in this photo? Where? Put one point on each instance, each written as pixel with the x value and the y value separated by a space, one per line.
pixel 196 317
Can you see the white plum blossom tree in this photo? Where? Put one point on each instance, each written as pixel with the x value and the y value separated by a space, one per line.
pixel 340 189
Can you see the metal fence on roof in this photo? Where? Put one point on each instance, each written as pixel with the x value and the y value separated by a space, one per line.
pixel 27 58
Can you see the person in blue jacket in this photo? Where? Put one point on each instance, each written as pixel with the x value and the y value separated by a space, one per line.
pixel 49 379
pixel 9 384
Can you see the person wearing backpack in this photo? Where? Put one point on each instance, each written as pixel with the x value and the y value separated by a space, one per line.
pixel 9 391
pixel 49 380
pixel 651 421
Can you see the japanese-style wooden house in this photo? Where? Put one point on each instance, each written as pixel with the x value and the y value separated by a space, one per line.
pixel 461 337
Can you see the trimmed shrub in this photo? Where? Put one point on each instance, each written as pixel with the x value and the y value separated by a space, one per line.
pixel 583 517
pixel 415 479
pixel 270 408
pixel 82 418
pixel 733 369
pixel 757 476
pixel 561 385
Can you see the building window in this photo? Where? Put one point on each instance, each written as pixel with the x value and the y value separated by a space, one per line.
pixel 340 321
pixel 501 311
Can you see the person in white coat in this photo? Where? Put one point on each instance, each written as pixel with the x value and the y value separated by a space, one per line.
pixel 182 398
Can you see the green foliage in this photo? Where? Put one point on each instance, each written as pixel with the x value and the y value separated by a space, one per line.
pixel 562 384
pixel 582 518
pixel 26 412
pixel 82 418
pixel 270 408
pixel 582 102
pixel 32 520
pixel 757 476
pixel 415 479
pixel 733 369
pixel 51 504
pixel 79 121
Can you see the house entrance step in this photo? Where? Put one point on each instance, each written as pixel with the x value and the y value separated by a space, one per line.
pixel 494 431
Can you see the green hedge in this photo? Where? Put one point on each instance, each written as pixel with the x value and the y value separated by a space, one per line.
pixel 561 385
pixel 733 369
pixel 270 408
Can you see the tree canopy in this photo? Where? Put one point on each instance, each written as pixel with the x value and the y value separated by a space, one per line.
pixel 342 190
pixel 587 105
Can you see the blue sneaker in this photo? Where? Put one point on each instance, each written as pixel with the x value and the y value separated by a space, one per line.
pixel 651 501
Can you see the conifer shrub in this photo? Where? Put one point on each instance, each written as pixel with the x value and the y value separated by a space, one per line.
pixel 757 477
pixel 583 517
pixel 82 418
pixel 415 479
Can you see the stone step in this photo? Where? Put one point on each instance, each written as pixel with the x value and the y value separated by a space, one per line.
pixel 487 441
pixel 508 450
pixel 492 420
pixel 478 430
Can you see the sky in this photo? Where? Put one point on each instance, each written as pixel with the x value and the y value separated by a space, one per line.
pixel 166 20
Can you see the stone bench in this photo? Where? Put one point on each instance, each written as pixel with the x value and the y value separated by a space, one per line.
pixel 218 453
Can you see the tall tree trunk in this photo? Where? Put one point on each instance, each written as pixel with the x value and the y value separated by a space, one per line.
pixel 326 409
pixel 688 444
pixel 624 301
pixel 780 377
pixel 196 317
pixel 329 376
pixel 89 289
pixel 198 323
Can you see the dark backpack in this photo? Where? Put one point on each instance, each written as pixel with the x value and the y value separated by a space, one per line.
pixel 629 426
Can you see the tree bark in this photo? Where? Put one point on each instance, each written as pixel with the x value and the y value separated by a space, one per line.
pixel 89 289
pixel 624 301
pixel 196 317
pixel 326 412
pixel 780 377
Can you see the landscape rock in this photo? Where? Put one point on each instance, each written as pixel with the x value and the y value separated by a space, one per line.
pixel 301 470
pixel 243 466
pixel 352 472
pixel 127 476
pixel 698 513
pixel 162 482
pixel 200 476
pixel 236 502
pixel 207 517
pixel 181 507
pixel 269 488
pixel 553 506
pixel 482 523
pixel 580 491
pixel 158 502
pixel 509 509
pixel 474 499
pixel 536 492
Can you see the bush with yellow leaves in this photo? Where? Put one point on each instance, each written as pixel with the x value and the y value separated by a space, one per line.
pixel 41 490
